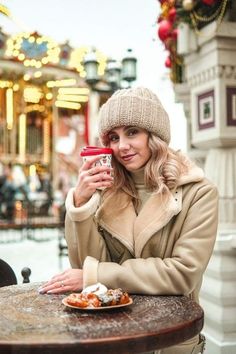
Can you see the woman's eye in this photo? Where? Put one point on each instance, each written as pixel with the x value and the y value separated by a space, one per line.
pixel 112 137
pixel 132 132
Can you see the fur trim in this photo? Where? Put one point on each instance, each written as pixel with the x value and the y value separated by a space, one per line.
pixel 90 271
pixel 85 211
pixel 194 174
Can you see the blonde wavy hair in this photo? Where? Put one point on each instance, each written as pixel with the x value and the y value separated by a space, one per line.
pixel 161 173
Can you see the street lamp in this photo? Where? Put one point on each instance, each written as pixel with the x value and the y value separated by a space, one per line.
pixel 113 74
pixel 91 68
pixel 117 74
pixel 129 66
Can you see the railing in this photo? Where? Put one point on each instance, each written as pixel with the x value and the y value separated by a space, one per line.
pixel 36 228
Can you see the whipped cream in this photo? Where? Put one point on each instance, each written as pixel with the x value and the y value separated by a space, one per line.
pixel 97 289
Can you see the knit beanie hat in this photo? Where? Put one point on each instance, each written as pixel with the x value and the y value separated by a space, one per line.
pixel 138 107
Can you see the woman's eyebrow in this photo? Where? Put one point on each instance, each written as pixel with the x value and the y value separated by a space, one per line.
pixel 125 128
pixel 129 126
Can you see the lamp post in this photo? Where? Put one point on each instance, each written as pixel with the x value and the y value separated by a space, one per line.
pixel 113 74
pixel 129 66
pixel 117 74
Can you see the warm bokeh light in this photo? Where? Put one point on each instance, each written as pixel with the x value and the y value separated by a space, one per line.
pixel 69 105
pixel 22 137
pixel 10 109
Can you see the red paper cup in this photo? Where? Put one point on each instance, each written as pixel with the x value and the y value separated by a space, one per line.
pixel 105 154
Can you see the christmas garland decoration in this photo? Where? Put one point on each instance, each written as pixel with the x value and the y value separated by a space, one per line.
pixel 197 14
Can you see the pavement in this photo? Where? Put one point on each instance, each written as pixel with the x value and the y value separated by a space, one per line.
pixel 40 255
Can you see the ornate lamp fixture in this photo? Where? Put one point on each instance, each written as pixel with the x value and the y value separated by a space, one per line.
pixel 117 74
pixel 91 68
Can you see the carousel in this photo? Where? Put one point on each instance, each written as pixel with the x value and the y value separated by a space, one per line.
pixel 43 95
pixel 50 95
pixel 44 110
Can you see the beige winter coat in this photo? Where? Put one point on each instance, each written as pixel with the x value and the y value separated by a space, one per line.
pixel 163 250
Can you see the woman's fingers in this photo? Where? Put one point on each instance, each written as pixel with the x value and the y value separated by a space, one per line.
pixel 90 168
pixel 88 164
pixel 52 284
pixel 60 290
pixel 89 180
pixel 101 176
pixel 58 287
pixel 105 170
pixel 57 280
pixel 70 280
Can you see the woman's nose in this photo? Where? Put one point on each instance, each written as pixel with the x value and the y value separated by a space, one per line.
pixel 124 144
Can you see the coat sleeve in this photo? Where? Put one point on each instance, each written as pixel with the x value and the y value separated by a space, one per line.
pixel 82 236
pixel 181 273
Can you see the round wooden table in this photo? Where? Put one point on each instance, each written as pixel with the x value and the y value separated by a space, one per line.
pixel 35 323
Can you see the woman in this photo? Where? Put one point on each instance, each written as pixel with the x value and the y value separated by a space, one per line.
pixel 152 230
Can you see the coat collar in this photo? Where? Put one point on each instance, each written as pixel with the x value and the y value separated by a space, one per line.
pixel 134 231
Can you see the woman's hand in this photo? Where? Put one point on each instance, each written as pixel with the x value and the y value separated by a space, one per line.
pixel 90 178
pixel 69 280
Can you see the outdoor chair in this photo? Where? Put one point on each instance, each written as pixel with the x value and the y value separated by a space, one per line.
pixel 8 277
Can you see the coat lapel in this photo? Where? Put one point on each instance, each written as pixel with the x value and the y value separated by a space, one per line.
pixel 155 214
pixel 132 230
pixel 117 216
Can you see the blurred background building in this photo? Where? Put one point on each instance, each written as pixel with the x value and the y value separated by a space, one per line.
pixel 200 39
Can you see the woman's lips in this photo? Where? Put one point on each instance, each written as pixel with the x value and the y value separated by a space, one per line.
pixel 127 157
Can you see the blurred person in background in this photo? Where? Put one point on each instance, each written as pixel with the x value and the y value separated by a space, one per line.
pixel 7 193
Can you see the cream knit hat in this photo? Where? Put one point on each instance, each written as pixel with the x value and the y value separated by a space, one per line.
pixel 137 107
